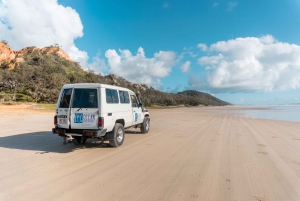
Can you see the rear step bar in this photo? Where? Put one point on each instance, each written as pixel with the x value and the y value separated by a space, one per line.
pixel 85 133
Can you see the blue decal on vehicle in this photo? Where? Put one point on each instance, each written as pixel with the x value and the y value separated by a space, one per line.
pixel 135 117
pixel 78 118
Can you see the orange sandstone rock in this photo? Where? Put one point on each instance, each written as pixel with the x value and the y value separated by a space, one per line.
pixel 14 58
pixel 7 55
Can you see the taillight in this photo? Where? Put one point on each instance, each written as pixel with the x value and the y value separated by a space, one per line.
pixel 55 120
pixel 100 122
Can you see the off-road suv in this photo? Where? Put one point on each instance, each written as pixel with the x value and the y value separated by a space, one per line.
pixel 98 111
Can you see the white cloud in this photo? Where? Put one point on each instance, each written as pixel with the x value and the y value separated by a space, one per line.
pixel 215 4
pixel 188 48
pixel 98 65
pixel 202 46
pixel 249 64
pixel 174 90
pixel 166 5
pixel 187 51
pixel 186 66
pixel 41 23
pixel 231 5
pixel 139 69
pixel 209 60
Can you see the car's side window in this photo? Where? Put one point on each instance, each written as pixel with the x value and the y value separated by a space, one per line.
pixel 111 96
pixel 134 101
pixel 124 97
pixel 108 96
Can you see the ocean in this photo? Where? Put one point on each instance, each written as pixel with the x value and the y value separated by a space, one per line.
pixel 278 112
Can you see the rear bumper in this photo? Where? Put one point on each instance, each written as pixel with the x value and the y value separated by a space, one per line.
pixel 85 133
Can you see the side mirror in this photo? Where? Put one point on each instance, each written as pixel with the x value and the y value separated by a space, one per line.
pixel 140 105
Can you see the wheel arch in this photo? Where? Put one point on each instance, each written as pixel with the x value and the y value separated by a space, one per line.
pixel 120 121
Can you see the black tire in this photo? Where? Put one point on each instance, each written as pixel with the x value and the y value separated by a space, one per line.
pixel 79 140
pixel 118 136
pixel 145 126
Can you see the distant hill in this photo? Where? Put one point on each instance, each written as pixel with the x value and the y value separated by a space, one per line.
pixel 36 75
pixel 207 98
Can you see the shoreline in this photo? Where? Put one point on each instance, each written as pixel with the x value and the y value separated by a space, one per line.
pixel 277 113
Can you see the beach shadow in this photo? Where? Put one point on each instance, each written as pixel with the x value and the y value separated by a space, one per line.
pixel 45 142
pixel 137 132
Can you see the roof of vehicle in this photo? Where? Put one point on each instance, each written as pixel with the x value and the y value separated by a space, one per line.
pixel 94 85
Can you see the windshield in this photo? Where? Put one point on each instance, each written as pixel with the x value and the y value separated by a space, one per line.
pixel 85 98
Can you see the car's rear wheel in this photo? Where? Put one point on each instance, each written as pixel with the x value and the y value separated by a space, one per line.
pixel 118 135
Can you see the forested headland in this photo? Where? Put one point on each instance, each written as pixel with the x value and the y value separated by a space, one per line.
pixel 36 75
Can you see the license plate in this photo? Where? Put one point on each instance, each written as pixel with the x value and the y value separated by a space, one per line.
pixel 62 121
pixel 84 118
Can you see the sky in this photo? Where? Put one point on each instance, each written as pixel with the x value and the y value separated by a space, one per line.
pixel 244 52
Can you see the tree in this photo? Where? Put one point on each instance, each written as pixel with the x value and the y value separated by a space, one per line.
pixel 4 41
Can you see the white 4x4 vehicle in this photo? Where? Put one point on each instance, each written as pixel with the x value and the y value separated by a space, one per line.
pixel 98 111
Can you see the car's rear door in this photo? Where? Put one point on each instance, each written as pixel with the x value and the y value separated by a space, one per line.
pixel 84 108
pixel 63 110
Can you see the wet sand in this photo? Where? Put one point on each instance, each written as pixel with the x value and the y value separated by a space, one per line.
pixel 201 153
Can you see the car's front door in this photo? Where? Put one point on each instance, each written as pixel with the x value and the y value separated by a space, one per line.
pixel 136 110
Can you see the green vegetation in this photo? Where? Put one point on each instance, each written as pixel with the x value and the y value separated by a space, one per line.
pixel 4 41
pixel 39 79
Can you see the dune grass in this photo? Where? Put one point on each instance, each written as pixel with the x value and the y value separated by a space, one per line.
pixel 31 106
pixel 52 107
pixel 43 106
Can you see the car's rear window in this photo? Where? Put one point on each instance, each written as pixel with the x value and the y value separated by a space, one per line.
pixel 85 98
pixel 65 98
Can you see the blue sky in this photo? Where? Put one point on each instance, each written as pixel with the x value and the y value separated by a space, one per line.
pixel 244 52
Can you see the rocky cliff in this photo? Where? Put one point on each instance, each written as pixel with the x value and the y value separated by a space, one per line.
pixel 10 59
pixel 7 55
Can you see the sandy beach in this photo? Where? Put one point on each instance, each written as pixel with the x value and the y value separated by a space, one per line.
pixel 197 153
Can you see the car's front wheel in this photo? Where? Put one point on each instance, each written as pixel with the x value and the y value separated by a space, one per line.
pixel 145 126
